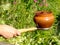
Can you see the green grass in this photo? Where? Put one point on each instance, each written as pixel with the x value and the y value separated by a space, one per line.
pixel 20 15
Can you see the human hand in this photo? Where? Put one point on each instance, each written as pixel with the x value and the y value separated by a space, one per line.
pixel 8 31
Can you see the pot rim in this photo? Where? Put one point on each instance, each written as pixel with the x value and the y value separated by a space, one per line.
pixel 41 12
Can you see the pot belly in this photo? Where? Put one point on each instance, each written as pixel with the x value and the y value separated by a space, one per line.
pixel 44 22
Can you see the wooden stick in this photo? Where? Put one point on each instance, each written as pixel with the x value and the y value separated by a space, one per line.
pixel 28 29
pixel 31 29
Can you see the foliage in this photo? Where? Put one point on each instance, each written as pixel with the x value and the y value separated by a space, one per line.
pixel 20 13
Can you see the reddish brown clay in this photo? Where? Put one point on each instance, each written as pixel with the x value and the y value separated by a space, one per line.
pixel 44 19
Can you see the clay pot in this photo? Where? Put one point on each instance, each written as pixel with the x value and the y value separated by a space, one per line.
pixel 44 19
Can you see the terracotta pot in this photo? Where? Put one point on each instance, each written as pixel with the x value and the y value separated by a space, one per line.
pixel 44 19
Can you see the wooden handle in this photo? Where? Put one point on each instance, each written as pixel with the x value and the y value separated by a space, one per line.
pixel 28 29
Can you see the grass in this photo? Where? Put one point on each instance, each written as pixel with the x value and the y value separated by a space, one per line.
pixel 20 13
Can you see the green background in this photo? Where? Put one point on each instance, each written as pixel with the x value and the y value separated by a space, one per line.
pixel 20 13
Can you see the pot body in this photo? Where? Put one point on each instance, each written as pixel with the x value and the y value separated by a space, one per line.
pixel 44 19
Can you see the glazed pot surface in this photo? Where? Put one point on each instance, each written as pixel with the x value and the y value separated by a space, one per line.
pixel 44 19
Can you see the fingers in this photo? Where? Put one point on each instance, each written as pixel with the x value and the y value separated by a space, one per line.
pixel 8 32
pixel 18 33
pixel 7 36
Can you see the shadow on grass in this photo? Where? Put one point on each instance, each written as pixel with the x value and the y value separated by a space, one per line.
pixel 58 25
